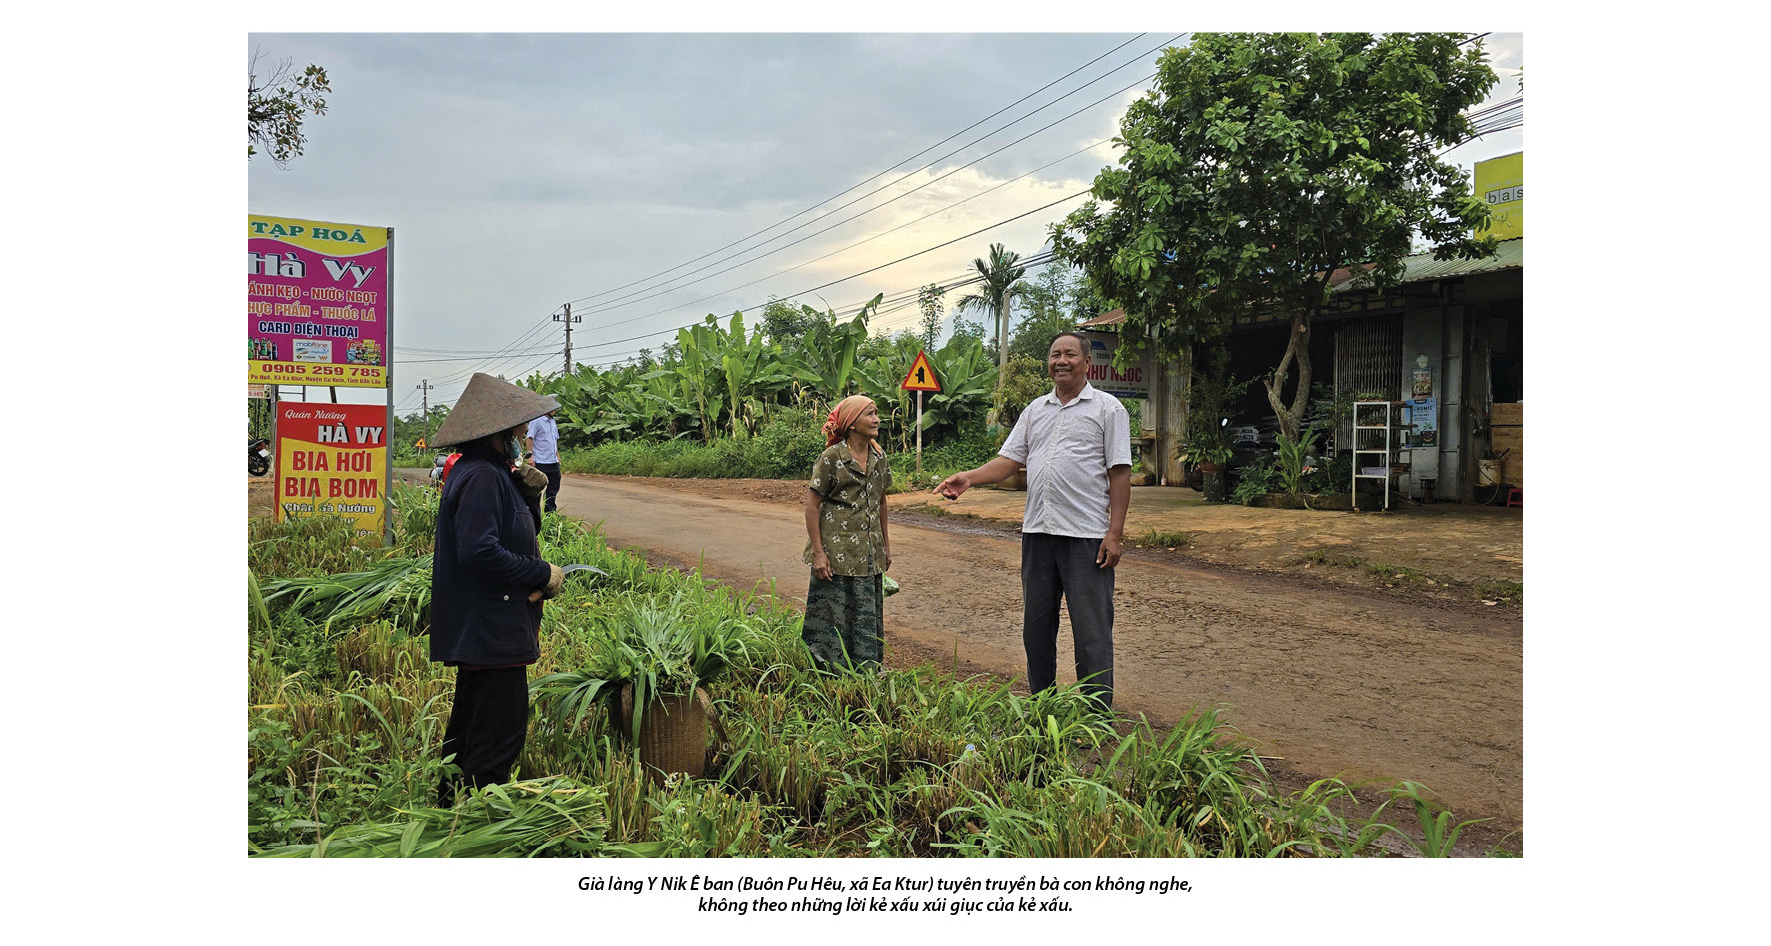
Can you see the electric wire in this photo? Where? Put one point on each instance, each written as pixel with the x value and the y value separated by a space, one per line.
pixel 664 287
pixel 844 249
pixel 880 173
pixel 865 271
pixel 615 304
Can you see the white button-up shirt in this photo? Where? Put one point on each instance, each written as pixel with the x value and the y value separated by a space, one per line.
pixel 1067 450
pixel 546 435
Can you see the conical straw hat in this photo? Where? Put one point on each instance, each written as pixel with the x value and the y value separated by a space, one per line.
pixel 489 406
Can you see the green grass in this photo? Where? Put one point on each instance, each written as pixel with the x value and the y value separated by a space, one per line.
pixel 1157 538
pixel 1502 590
pixel 344 724
pixel 1497 590
pixel 1325 557
pixel 940 511
pixel 1395 573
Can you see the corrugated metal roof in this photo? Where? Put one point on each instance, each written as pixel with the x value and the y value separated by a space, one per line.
pixel 1421 267
pixel 1110 318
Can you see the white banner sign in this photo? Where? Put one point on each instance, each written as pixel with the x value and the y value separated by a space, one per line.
pixel 1133 381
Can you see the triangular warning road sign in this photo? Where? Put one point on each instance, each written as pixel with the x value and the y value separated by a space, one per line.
pixel 921 376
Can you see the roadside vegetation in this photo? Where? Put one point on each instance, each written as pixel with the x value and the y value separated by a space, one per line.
pixel 739 399
pixel 346 712
pixel 1495 591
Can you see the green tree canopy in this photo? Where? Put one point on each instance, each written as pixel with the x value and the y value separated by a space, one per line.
pixel 276 104
pixel 1001 275
pixel 1055 302
pixel 1260 163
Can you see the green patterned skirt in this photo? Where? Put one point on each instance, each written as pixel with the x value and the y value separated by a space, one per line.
pixel 844 627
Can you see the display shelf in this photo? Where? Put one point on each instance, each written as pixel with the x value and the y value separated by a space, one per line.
pixel 1377 446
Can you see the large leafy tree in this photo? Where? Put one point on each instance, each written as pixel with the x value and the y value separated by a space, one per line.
pixel 1001 274
pixel 278 99
pixel 1260 163
pixel 1053 303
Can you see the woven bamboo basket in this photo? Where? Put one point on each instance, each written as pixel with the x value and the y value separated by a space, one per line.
pixel 673 733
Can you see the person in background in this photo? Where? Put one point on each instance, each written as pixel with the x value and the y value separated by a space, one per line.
pixel 488 580
pixel 1076 445
pixel 847 544
pixel 541 444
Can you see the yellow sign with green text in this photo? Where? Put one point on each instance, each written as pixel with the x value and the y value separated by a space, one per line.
pixel 1501 182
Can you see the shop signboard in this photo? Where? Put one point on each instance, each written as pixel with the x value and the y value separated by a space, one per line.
pixel 1501 183
pixel 1132 381
pixel 332 461
pixel 317 308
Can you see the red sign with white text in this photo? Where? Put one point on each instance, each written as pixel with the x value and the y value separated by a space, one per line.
pixel 332 461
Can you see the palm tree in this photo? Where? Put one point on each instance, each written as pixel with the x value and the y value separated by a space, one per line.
pixel 1002 283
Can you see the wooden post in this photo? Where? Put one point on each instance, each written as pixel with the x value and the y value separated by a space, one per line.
pixel 919 435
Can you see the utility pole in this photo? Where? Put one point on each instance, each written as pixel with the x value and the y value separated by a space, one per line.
pixel 425 386
pixel 568 318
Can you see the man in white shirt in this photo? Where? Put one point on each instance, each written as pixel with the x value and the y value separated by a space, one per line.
pixel 541 445
pixel 1076 445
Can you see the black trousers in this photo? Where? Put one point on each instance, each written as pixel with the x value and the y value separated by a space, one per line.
pixel 552 470
pixel 486 728
pixel 1057 567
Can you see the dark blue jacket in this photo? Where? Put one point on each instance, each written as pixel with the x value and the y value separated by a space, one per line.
pixel 487 561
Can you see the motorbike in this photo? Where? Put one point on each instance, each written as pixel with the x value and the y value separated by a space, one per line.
pixel 258 456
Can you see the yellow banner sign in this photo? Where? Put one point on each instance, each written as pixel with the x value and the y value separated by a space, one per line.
pixel 332 461
pixel 1501 182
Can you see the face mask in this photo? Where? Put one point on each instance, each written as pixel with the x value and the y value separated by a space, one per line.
pixel 515 450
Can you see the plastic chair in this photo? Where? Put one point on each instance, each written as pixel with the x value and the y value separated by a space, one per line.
pixel 1515 497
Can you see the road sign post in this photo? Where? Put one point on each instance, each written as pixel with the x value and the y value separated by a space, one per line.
pixel 921 377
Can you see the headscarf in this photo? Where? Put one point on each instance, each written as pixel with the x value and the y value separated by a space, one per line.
pixel 843 416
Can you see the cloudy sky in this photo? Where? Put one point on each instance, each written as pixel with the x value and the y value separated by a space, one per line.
pixel 651 179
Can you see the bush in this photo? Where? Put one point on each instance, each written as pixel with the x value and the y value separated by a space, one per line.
pixel 974 446
pixel 1332 478
pixel 784 447
pixel 1256 480
pixel 787 445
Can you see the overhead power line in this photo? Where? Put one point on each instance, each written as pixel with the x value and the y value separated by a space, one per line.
pixel 881 173
pixel 869 270
pixel 615 305
pixel 612 303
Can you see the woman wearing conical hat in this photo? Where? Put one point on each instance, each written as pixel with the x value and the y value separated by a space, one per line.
pixel 488 580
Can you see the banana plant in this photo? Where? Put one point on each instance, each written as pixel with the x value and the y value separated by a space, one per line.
pixel 968 380
pixel 829 351
pixel 754 375
pixel 699 372
pixel 880 379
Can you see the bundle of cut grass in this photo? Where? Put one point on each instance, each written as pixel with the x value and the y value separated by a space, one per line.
pixel 397 590
pixel 545 817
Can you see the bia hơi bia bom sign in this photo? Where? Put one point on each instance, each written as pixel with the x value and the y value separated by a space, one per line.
pixel 332 461
pixel 316 303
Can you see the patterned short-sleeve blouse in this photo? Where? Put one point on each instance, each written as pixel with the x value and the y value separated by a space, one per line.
pixel 848 518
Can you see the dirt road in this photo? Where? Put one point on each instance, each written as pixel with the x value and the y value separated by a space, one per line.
pixel 1333 680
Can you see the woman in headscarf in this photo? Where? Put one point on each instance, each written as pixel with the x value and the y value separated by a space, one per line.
pixel 847 543
pixel 488 580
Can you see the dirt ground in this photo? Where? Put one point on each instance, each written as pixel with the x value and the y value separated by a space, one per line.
pixel 1330 668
